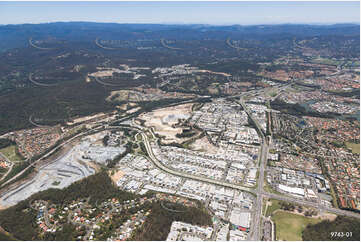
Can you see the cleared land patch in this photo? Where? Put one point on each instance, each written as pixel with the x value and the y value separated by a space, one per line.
pixel 203 145
pixel 164 120
pixel 10 153
pixel 354 147
pixel 290 226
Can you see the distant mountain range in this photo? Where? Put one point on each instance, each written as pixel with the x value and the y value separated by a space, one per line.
pixel 15 36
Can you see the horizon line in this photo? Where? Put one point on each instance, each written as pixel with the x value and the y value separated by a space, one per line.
pixel 193 23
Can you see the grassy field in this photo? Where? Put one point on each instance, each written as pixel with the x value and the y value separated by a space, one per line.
pixel 290 226
pixel 264 206
pixel 5 237
pixel 275 205
pixel 10 153
pixel 139 137
pixel 355 147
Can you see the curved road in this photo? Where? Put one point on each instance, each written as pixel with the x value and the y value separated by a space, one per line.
pixel 38 83
pixel 161 166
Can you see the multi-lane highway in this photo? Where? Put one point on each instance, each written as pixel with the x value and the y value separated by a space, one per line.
pixel 255 225
pixel 255 231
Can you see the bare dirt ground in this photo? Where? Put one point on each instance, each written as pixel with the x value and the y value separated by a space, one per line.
pixel 163 119
pixel 216 73
pixel 203 144
pixel 3 207
pixel 95 166
pixel 122 107
pixel 122 95
pixel 97 138
pixel 133 110
pixel 117 175
pixel 325 216
pixel 105 72
pixel 78 120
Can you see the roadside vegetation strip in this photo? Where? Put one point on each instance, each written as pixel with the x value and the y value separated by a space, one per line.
pixel 18 168
pixel 159 222
pixel 22 176
pixel 334 197
pixel 264 206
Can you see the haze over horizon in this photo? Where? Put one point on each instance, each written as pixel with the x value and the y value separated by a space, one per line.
pixel 212 13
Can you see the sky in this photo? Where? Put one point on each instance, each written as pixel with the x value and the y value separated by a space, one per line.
pixel 215 13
